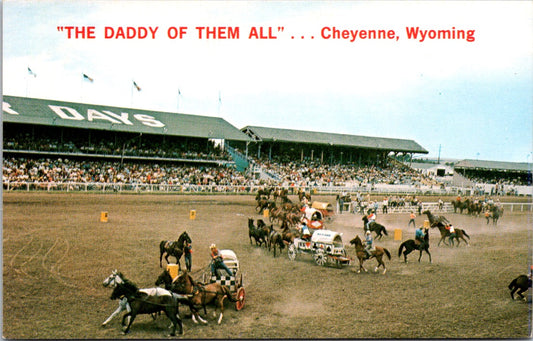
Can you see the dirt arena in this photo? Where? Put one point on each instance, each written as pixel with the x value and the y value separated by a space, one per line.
pixel 56 253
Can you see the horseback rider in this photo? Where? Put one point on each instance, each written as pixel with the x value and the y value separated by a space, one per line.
pixel 217 262
pixel 451 229
pixel 369 244
pixel 371 219
pixel 420 233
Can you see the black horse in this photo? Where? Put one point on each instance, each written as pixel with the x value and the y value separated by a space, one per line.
pixel 148 303
pixel 410 245
pixel 519 285
pixel 375 227
pixel 259 233
pixel 173 248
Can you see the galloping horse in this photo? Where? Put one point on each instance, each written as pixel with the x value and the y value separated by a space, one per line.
pixel 410 245
pixel 436 219
pixel 362 255
pixel 459 234
pixel 375 227
pixel 520 283
pixel 275 238
pixel 203 294
pixel 143 302
pixel 166 279
pixel 175 249
pixel 496 213
pixel 257 233
pixel 286 234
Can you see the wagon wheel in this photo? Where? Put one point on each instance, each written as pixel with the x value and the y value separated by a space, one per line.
pixel 320 258
pixel 240 298
pixel 292 252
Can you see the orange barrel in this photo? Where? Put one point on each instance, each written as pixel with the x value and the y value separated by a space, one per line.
pixel 103 217
pixel 397 234
pixel 173 270
pixel 192 214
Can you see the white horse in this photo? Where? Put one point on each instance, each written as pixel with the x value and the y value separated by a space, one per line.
pixel 112 281
pixel 115 279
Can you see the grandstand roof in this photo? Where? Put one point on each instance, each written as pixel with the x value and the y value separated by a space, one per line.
pixel 91 116
pixel 301 136
pixel 493 165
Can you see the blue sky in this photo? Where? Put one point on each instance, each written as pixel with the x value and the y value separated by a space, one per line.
pixel 473 99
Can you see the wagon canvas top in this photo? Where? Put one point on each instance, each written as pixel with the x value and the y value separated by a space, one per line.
pixel 326 236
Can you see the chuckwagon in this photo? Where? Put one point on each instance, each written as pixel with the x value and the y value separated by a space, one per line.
pixel 234 283
pixel 325 208
pixel 313 217
pixel 325 246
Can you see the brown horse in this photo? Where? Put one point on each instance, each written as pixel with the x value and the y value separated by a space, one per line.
pixel 286 233
pixel 362 255
pixel 434 220
pixel 203 294
pixel 275 238
pixel 459 234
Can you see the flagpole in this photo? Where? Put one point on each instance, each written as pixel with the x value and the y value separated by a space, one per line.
pixel 219 102
pixel 178 100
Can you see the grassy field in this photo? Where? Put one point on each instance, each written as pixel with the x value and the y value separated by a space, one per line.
pixel 56 253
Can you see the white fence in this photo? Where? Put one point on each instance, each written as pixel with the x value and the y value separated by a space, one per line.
pixel 447 207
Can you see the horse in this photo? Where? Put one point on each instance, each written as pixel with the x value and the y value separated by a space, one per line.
pixel 410 245
pixel 520 283
pixel 362 255
pixel 175 249
pixel 445 233
pixel 375 227
pixel 496 213
pixel 436 219
pixel 257 233
pixel 302 195
pixel 148 301
pixel 458 204
pixel 112 281
pixel 286 234
pixel 275 238
pixel 203 294
pixel 166 279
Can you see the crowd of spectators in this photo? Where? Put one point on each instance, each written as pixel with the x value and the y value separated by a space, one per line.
pixel 114 172
pixel 101 170
pixel 315 174
pixel 147 146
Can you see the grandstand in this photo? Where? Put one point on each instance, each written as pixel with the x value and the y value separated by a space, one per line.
pixel 55 145
pixel 320 147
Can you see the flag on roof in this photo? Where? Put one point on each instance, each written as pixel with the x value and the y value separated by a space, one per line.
pixel 31 72
pixel 136 86
pixel 88 78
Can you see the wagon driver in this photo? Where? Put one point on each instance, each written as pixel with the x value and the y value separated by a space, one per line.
pixel 217 262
